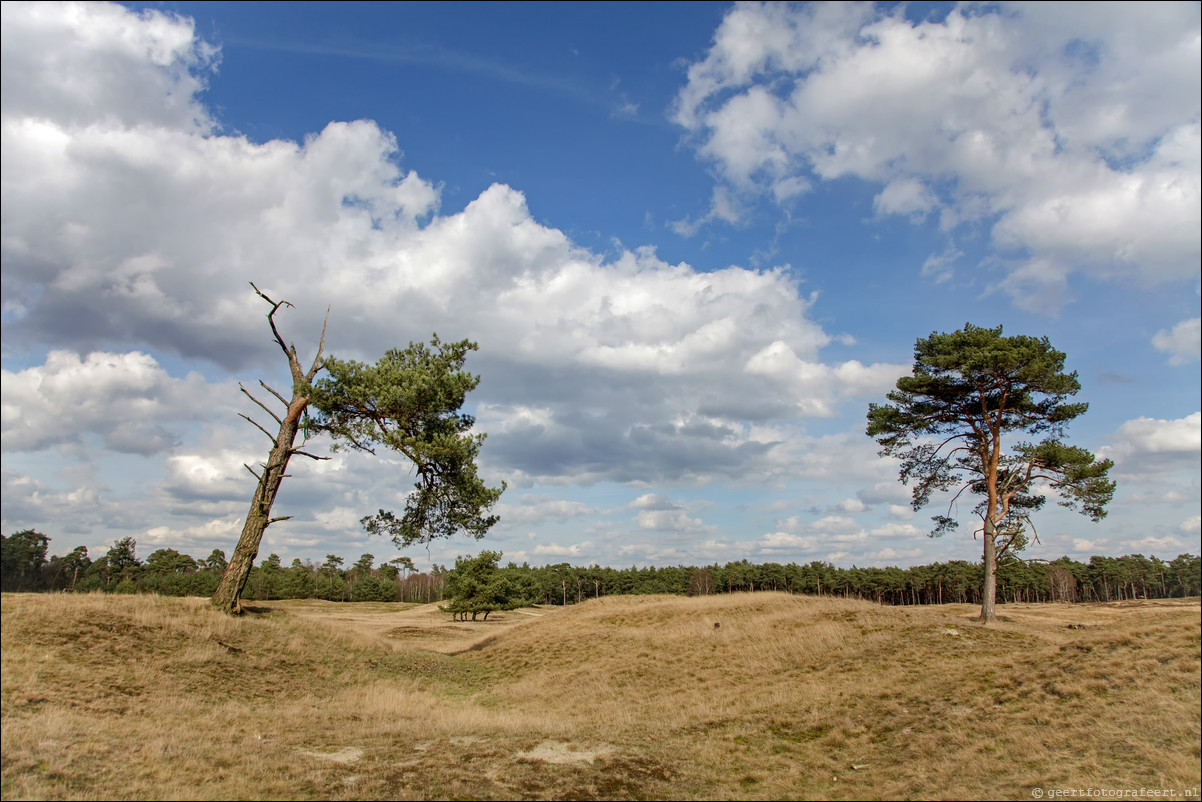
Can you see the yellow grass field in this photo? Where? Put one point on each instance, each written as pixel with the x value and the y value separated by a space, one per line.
pixel 746 696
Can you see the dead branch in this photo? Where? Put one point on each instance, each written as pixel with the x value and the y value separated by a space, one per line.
pixel 283 400
pixel 320 347
pixel 270 436
pixel 275 307
pixel 260 403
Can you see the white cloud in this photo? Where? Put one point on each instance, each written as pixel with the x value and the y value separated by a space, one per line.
pixel 851 505
pixel 1154 544
pixel 653 501
pixel 1183 343
pixel 905 196
pixel 539 512
pixel 784 542
pixel 339 519
pixel 816 386
pixel 1073 131
pixel 121 230
pixel 143 68
pixel 85 509
pixel 557 550
pixel 1148 445
pixel 217 533
pixel 898 530
pixel 894 556
pixel 209 479
pixel 835 524
pixel 941 267
pixel 127 400
pixel 670 521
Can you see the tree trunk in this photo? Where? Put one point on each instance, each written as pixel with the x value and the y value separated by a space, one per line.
pixel 229 593
pixel 989 587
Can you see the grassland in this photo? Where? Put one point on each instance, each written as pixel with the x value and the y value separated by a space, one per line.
pixel 748 696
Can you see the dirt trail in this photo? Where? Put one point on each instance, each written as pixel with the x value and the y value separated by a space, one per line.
pixel 408 625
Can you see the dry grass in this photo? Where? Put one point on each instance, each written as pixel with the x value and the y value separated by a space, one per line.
pixel 626 697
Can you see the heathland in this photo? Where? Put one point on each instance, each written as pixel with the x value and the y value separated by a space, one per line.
pixel 734 696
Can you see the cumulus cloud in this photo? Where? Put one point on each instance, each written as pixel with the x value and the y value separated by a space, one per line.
pixel 1183 343
pixel 207 481
pixel 127 400
pixel 102 52
pixel 782 542
pixel 557 550
pixel 1154 544
pixel 339 519
pixel 653 501
pixel 1072 132
pixel 86 507
pixel 851 505
pixel 531 511
pixel 1150 445
pixel 817 386
pixel 670 521
pixel 122 228
pixel 898 530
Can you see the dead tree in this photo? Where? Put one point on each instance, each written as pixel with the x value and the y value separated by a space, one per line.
pixel 271 473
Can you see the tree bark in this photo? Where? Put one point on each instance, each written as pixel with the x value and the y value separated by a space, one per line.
pixel 989 586
pixel 228 596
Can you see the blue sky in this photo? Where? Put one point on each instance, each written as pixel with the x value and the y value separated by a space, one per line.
pixel 694 241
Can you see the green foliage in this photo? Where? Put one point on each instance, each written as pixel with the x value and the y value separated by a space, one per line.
pixel 122 559
pixel 477 586
pixel 950 424
pixel 63 573
pixel 170 561
pixel 371 588
pixel 22 556
pixel 216 561
pixel 1133 576
pixel 410 402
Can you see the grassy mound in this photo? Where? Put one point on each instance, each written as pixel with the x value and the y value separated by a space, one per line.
pixel 763 696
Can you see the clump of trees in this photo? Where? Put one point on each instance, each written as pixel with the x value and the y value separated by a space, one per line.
pixel 477 586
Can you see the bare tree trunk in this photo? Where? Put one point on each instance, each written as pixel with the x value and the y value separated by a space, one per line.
pixel 228 596
pixel 258 518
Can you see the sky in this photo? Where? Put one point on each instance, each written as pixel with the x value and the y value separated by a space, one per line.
pixel 693 242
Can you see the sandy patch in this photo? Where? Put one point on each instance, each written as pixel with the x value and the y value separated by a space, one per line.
pixel 560 752
pixel 348 754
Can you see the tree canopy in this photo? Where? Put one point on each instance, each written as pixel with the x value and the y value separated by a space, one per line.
pixel 22 555
pixel 410 401
pixel 477 586
pixel 961 422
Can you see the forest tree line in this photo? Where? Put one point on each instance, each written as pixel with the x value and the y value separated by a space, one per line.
pixel 26 567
